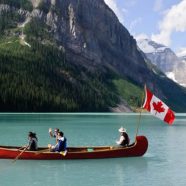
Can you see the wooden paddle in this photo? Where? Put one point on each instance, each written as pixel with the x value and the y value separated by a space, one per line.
pixel 22 147
pixel 17 157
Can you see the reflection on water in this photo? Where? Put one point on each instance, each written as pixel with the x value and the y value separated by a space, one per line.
pixel 106 171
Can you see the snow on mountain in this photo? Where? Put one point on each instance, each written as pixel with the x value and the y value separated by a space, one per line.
pixel 184 59
pixel 145 47
pixel 165 59
pixel 171 75
pixel 148 46
pixel 160 55
pixel 182 54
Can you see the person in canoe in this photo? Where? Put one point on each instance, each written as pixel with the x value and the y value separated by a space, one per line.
pixel 124 138
pixel 61 144
pixel 32 144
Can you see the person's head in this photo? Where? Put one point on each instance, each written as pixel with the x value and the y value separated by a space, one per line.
pixel 60 134
pixel 56 130
pixel 32 135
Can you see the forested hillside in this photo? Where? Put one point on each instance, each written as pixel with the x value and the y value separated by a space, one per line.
pixel 38 79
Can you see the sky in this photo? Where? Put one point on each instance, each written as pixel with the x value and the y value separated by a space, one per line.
pixel 163 21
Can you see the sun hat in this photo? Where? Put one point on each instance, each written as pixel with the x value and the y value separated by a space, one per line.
pixel 122 129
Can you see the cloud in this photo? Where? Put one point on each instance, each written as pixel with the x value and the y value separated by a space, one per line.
pixel 141 36
pixel 158 5
pixel 134 23
pixel 130 3
pixel 125 11
pixel 117 10
pixel 174 21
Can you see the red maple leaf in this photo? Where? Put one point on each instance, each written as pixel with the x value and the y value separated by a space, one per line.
pixel 158 107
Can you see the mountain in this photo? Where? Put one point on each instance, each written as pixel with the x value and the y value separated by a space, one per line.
pixel 160 55
pixel 183 58
pixel 165 59
pixel 182 55
pixel 73 56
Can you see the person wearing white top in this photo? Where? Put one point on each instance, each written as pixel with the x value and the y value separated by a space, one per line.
pixel 124 138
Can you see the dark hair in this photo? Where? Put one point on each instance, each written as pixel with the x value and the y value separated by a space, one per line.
pixel 32 135
pixel 60 133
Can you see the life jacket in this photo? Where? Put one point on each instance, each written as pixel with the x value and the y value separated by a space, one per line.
pixel 126 141
pixel 62 144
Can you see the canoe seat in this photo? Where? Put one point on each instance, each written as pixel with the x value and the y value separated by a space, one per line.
pixel 90 149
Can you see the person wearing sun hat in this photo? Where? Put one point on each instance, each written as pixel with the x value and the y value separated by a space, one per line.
pixel 124 138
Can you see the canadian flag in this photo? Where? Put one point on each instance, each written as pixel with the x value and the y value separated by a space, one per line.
pixel 158 108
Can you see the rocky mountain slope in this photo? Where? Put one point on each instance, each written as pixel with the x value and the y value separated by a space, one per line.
pixel 182 54
pixel 73 55
pixel 165 59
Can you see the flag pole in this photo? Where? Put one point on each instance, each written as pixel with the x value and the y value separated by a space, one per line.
pixel 139 119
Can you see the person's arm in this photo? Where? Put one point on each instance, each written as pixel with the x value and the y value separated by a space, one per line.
pixel 55 147
pixel 51 133
pixel 29 144
pixel 120 140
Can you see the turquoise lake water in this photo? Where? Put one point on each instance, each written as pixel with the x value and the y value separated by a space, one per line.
pixel 164 164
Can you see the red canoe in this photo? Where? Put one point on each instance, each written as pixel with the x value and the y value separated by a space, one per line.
pixel 137 149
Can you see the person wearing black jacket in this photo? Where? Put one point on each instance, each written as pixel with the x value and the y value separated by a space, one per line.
pixel 32 144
